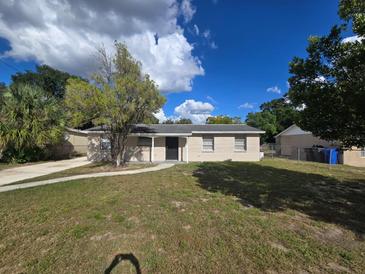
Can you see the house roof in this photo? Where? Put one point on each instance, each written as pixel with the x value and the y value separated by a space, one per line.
pixel 185 129
pixel 293 130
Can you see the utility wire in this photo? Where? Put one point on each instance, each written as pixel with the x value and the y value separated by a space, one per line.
pixel 10 66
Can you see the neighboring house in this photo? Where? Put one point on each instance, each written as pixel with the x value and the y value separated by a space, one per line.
pixel 293 141
pixel 78 139
pixel 75 142
pixel 173 142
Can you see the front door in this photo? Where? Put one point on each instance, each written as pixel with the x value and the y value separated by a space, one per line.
pixel 172 146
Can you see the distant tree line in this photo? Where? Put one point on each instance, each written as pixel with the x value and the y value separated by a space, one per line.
pixel 223 119
pixel 275 116
pixel 179 121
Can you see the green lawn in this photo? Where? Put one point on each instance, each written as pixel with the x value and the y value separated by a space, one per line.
pixel 87 169
pixel 6 165
pixel 11 165
pixel 267 217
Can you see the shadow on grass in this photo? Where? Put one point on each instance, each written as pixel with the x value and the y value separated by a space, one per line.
pixel 124 257
pixel 274 189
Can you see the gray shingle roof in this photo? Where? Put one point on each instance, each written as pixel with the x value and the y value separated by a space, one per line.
pixel 177 128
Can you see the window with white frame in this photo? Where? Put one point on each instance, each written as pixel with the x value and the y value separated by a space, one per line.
pixel 208 143
pixel 240 143
pixel 105 144
pixel 362 153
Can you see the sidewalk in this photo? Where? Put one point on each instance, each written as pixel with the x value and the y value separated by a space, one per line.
pixel 84 176
pixel 15 174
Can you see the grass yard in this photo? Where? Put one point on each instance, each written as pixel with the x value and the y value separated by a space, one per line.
pixel 7 165
pixel 12 165
pixel 87 169
pixel 267 217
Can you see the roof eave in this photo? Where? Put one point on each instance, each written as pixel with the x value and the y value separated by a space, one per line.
pixel 285 130
pixel 229 132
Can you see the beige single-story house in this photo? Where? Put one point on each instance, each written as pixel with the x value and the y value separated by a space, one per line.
pixel 184 143
pixel 74 143
pixel 78 139
pixel 293 141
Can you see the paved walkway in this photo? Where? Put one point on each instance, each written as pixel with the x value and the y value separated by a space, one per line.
pixel 84 176
pixel 15 174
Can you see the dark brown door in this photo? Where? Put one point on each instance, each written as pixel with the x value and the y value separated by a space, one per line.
pixel 172 146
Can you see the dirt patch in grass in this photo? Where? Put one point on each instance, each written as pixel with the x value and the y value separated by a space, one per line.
pixel 173 223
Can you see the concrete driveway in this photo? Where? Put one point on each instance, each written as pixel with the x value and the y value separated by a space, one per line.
pixel 11 175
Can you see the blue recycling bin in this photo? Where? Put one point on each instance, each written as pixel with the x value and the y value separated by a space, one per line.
pixel 331 156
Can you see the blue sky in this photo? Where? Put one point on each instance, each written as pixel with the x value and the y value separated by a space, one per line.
pixel 243 47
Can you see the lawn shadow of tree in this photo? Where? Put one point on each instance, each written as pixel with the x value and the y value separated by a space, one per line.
pixel 274 189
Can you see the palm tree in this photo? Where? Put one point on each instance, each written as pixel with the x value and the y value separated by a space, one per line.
pixel 30 120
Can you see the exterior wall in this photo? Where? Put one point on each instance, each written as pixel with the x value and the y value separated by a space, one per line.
pixel 160 149
pixel 79 142
pixel 353 158
pixel 134 153
pixel 137 153
pixel 223 148
pixel 76 143
pixel 94 153
pixel 288 143
pixel 182 149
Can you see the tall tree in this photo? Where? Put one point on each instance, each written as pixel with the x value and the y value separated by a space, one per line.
pixel 264 120
pixel 29 121
pixel 51 80
pixel 275 116
pixel 223 119
pixel 151 119
pixel 3 90
pixel 285 113
pixel 121 97
pixel 3 87
pixel 329 85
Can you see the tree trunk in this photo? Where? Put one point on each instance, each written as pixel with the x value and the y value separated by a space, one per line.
pixel 123 147
pixel 119 142
pixel 118 159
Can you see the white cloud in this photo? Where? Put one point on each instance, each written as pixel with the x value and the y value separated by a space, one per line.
pixel 187 10
pixel 213 45
pixel 247 105
pixel 196 29
pixel 210 98
pixel 160 115
pixel 197 111
pixel 206 34
pixel 65 35
pixel 208 37
pixel 287 84
pixel 274 89
pixel 170 63
pixel 352 39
